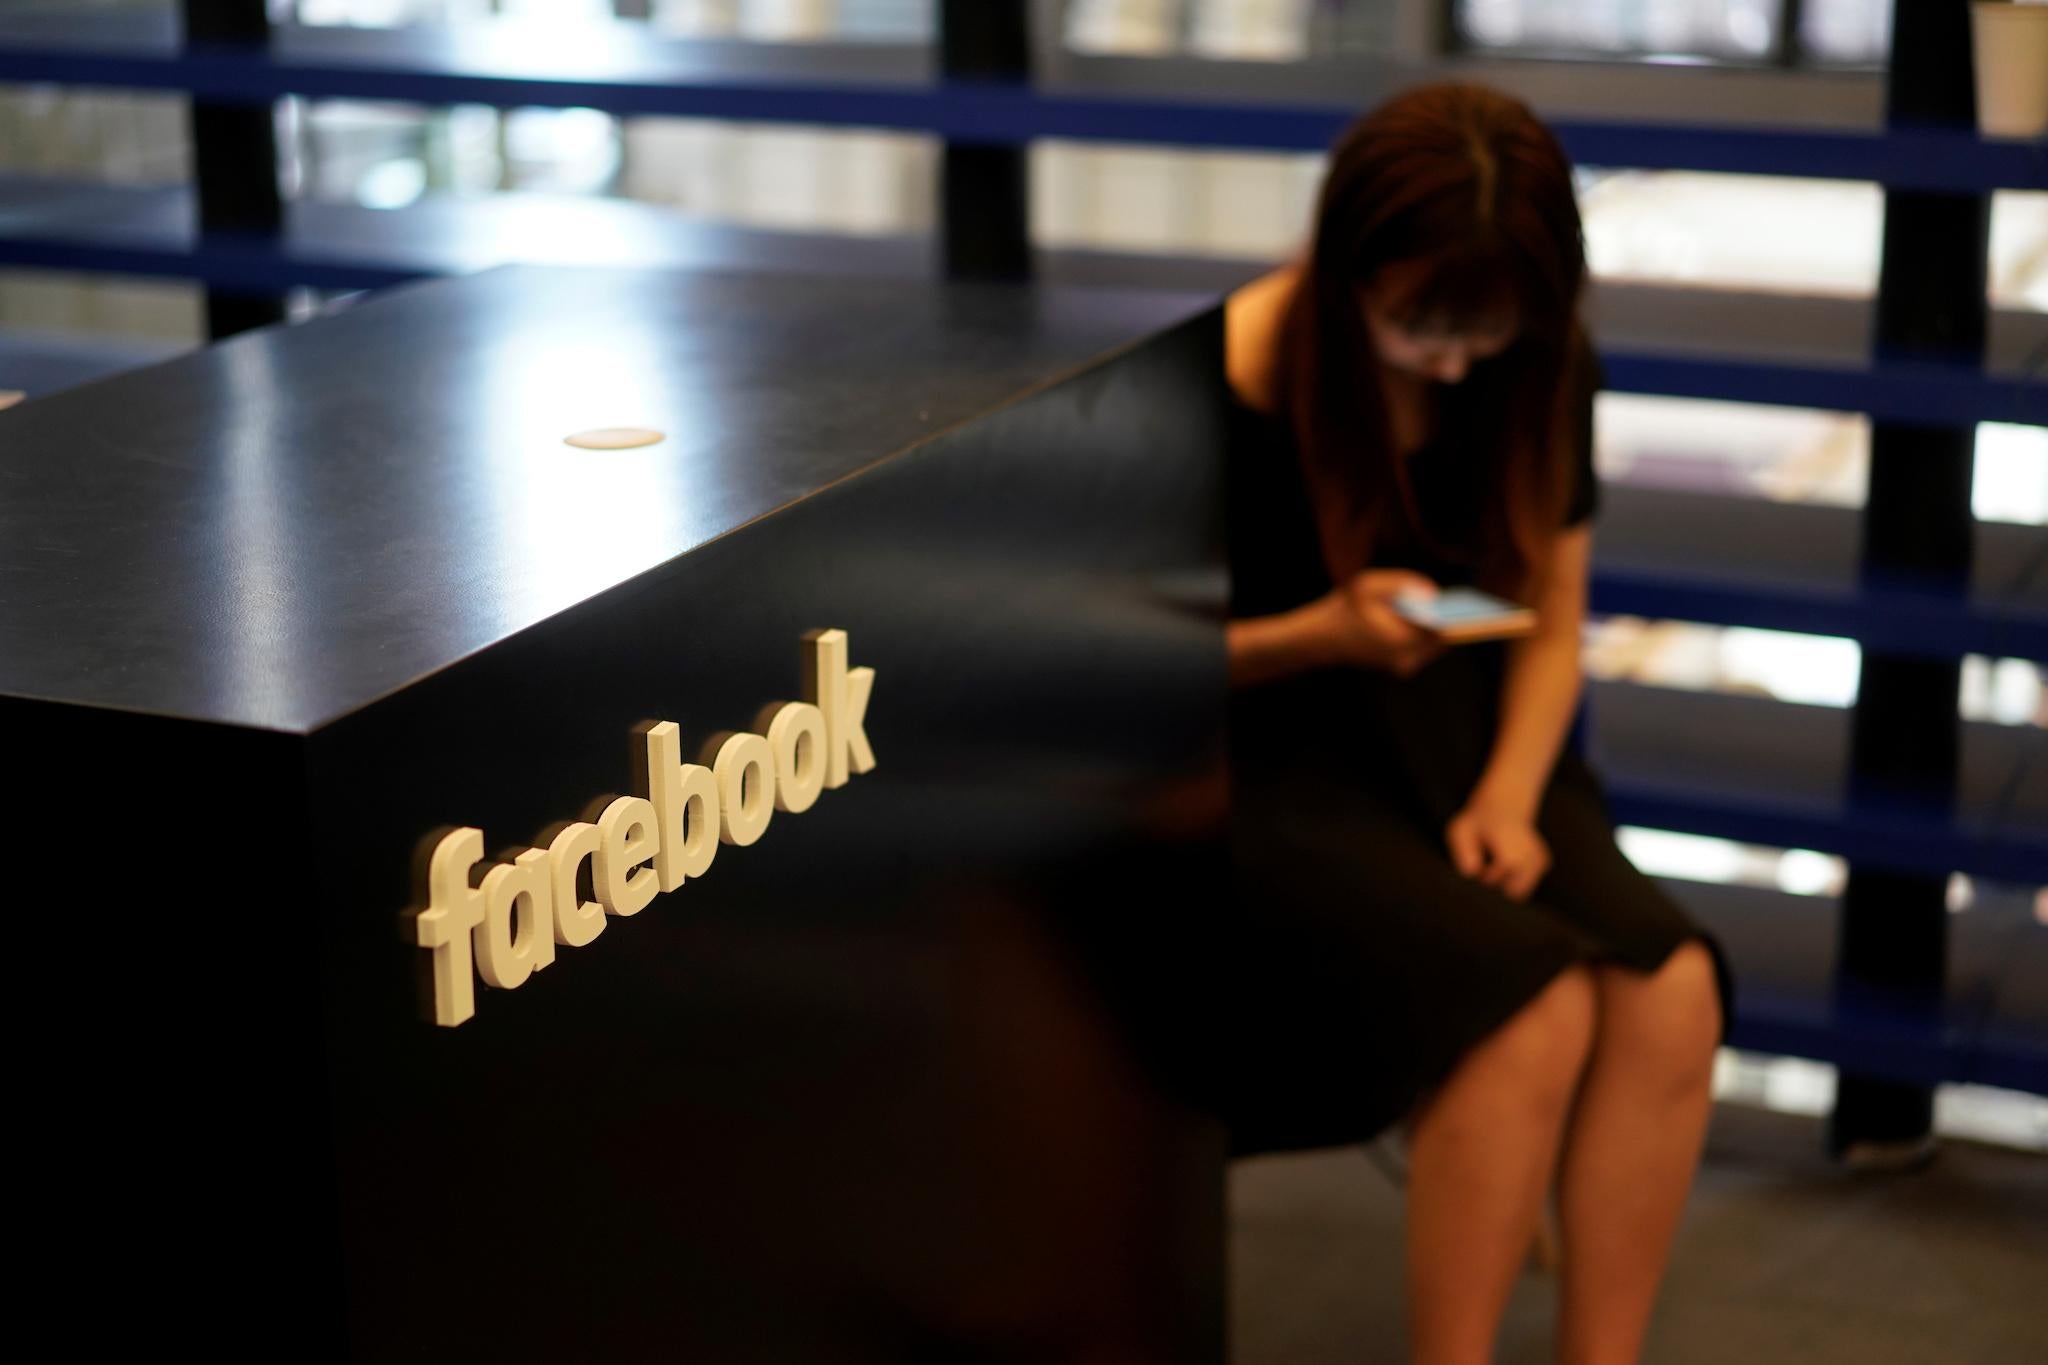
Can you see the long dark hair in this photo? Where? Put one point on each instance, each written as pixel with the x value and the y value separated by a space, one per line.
pixel 1467 188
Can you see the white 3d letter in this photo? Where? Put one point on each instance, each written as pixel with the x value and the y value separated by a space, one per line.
pixel 796 735
pixel 841 693
pixel 516 940
pixel 685 800
pixel 745 769
pixel 454 908
pixel 629 840
pixel 701 819
pixel 577 921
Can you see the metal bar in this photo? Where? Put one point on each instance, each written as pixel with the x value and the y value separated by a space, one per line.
pixel 1886 389
pixel 1905 739
pixel 234 164
pixel 990 113
pixel 985 192
pixel 225 21
pixel 1907 845
pixel 1790 49
pixel 1931 626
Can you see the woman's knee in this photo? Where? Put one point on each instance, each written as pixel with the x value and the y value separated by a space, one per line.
pixel 1671 1017
pixel 1545 1044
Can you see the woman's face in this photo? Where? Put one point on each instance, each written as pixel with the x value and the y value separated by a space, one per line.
pixel 1444 355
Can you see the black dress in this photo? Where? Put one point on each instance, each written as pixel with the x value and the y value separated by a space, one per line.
pixel 1366 964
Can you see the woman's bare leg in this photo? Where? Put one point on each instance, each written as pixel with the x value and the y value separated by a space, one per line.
pixel 1481 1155
pixel 1630 1152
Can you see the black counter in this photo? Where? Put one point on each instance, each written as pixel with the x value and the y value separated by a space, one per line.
pixel 914 1076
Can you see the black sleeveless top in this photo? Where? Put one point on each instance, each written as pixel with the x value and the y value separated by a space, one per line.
pixel 1276 554
pixel 1423 740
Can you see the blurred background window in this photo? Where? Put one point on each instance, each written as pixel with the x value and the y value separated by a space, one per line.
pixel 1791 1085
pixel 1737 30
pixel 152 318
pixel 1236 30
pixel 1827 33
pixel 1811 670
pixel 761 20
pixel 1815 670
pixel 103 136
pixel 1723 862
pixel 778 176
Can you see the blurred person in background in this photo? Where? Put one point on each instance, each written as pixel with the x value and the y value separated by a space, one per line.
pixel 1441 929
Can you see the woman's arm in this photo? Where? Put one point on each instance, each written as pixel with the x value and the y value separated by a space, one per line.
pixel 1494 837
pixel 1353 626
pixel 1265 649
pixel 1543 682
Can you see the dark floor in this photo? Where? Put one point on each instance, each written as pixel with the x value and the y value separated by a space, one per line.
pixel 1783 1257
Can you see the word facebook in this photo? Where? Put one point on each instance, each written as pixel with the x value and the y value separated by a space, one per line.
pixel 508 927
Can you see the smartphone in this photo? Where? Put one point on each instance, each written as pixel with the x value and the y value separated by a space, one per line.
pixel 1466 615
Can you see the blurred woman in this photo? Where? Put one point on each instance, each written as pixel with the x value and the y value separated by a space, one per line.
pixel 1445 931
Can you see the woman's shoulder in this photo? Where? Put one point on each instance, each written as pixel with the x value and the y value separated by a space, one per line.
pixel 1253 315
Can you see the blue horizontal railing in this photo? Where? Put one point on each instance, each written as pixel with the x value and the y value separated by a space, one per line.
pixel 1895 839
pixel 36 362
pixel 1892 1048
pixel 1898 390
pixel 1923 624
pixel 1760 771
pixel 1734 560
pixel 1990 1028
pixel 655 76
pixel 343 247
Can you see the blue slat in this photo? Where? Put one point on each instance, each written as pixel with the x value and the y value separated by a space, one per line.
pixel 1894 1052
pixel 256 264
pixel 1893 390
pixel 38 363
pixel 1923 159
pixel 2008 1068
pixel 1928 846
pixel 1991 1028
pixel 150 231
pixel 1899 623
pixel 1013 114
pixel 1761 771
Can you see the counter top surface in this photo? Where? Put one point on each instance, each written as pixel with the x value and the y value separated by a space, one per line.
pixel 279 530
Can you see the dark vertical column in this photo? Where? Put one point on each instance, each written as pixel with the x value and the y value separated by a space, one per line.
pixel 1905 741
pixel 1791 41
pixel 985 192
pixel 234 162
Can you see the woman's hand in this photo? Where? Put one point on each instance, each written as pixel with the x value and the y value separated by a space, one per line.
pixel 1360 627
pixel 1496 844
